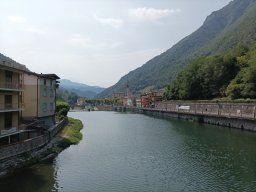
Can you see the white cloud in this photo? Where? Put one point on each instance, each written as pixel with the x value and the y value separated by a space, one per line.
pixel 35 30
pixel 113 22
pixel 151 13
pixel 117 44
pixel 79 40
pixel 17 19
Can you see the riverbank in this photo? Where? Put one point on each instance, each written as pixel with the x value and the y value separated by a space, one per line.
pixel 68 135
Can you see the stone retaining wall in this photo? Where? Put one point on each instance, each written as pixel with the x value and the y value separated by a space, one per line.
pixel 236 110
pixel 231 122
pixel 240 116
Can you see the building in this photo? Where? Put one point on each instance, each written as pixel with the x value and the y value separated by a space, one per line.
pixel 138 102
pixel 150 98
pixel 80 101
pixel 40 98
pixel 145 100
pixel 118 95
pixel 11 100
pixel 26 99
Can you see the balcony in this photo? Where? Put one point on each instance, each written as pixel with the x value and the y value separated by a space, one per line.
pixel 10 107
pixel 8 131
pixel 11 86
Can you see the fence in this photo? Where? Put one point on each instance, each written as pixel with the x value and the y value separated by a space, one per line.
pixel 30 144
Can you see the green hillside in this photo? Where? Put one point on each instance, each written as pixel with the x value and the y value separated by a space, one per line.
pixel 222 31
pixel 229 75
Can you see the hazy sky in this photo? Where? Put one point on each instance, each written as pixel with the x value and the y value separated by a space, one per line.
pixel 96 42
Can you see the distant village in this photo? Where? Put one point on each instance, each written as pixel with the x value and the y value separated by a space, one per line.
pixel 125 99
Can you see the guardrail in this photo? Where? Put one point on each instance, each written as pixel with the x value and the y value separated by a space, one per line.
pixel 12 106
pixel 11 150
pixel 14 86
pixel 22 147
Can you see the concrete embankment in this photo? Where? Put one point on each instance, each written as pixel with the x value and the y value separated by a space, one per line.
pixel 233 115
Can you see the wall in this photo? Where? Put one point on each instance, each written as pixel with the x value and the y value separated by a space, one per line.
pixel 2 76
pixel 235 110
pixel 1 121
pixel 46 94
pixel 234 115
pixel 30 96
pixel 238 123
pixel 16 78
pixel 15 119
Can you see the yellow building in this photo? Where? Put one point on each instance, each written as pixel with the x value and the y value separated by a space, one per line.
pixel 39 98
pixel 11 105
pixel 27 102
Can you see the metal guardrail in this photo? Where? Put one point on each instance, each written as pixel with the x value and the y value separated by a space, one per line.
pixel 15 86
pixel 22 147
pixel 14 149
pixel 13 106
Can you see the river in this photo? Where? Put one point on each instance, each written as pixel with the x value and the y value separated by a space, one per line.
pixel 124 152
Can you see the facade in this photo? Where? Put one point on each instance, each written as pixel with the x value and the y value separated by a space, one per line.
pixel 27 102
pixel 118 95
pixel 138 102
pixel 39 98
pixel 149 99
pixel 145 100
pixel 80 101
pixel 11 100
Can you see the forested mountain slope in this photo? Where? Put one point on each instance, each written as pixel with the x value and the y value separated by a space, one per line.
pixel 221 31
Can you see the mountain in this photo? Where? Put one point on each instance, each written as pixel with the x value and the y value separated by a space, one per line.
pixel 222 30
pixel 80 89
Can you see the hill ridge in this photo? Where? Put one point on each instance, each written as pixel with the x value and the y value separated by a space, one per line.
pixel 160 70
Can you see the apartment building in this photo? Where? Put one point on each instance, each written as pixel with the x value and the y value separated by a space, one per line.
pixel 11 102
pixel 39 98
pixel 27 102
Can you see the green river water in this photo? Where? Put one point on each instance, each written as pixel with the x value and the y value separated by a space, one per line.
pixel 124 152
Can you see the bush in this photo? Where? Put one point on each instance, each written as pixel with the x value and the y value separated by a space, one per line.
pixel 63 112
pixel 62 105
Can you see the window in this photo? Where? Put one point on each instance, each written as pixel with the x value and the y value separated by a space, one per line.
pixel 51 106
pixel 45 92
pixel 7 120
pixel 8 79
pixel 8 101
pixel 44 81
pixel 44 107
pixel 51 92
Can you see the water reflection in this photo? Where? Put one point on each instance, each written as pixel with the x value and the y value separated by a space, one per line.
pixel 39 178
pixel 226 157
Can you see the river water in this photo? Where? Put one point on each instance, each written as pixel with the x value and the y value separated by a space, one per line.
pixel 124 152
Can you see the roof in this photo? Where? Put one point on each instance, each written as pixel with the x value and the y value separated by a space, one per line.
pixel 48 76
pixel 12 64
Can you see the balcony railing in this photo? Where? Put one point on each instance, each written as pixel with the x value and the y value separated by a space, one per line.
pixel 10 107
pixel 8 131
pixel 11 86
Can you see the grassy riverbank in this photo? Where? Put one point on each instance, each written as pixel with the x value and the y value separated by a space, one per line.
pixel 70 134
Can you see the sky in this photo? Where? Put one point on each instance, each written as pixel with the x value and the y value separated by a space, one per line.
pixel 96 42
